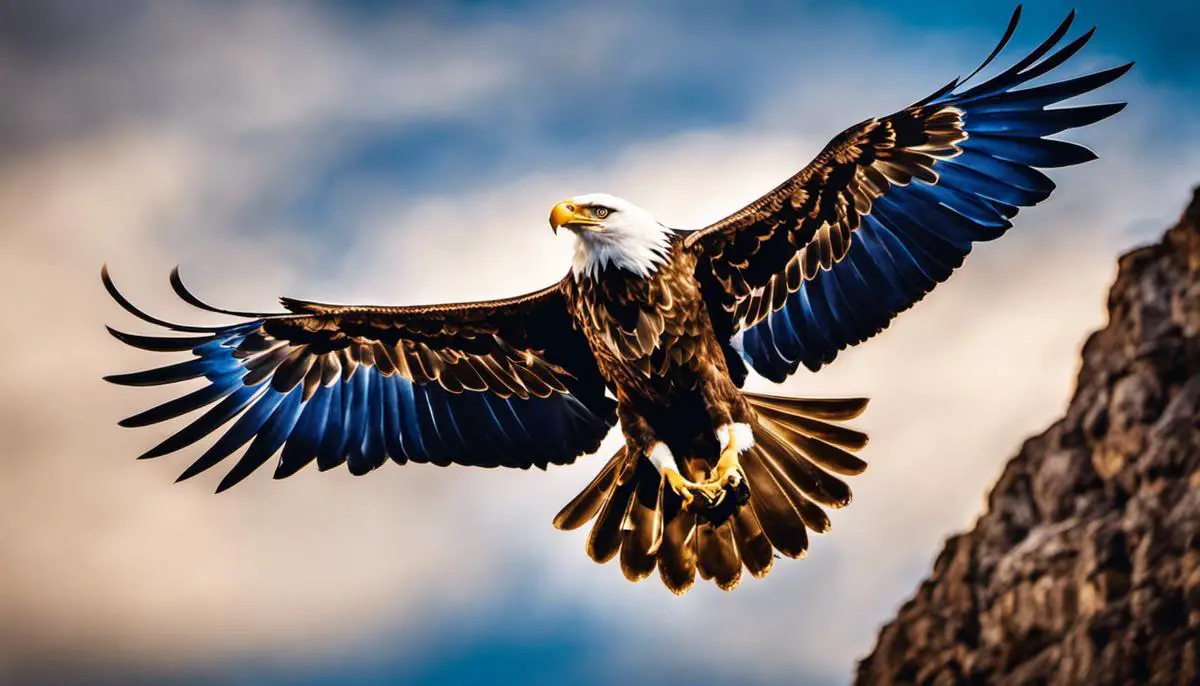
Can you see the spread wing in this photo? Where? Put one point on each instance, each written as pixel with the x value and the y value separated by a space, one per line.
pixel 502 383
pixel 889 209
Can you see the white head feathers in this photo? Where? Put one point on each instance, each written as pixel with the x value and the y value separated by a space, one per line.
pixel 620 235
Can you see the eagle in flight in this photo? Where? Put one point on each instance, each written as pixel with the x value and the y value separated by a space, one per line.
pixel 656 328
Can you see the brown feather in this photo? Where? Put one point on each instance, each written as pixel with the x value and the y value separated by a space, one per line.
pixel 429 365
pixel 704 545
pixel 403 354
pixel 793 274
pixel 264 365
pixel 499 381
pixel 383 361
pixel 647 336
pixel 448 379
pixel 604 540
pixel 348 364
pixel 825 247
pixel 292 370
pixel 811 261
pixel 677 555
pixel 585 505
pixel 839 241
pixel 837 409
pixel 810 513
pixel 830 433
pixel 466 375
pixel 366 354
pixel 815 482
pixel 312 380
pixel 331 369
pixel 753 547
pixel 779 292
pixel 823 454
pixel 780 520
pixel 643 530
pixel 718 555
pixel 532 382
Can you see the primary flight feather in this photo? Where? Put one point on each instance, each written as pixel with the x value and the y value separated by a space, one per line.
pixel 652 326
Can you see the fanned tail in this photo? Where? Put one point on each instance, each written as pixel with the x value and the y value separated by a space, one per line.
pixel 791 473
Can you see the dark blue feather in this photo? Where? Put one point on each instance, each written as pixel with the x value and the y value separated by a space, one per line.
pixel 946 236
pixel 820 332
pixel 490 443
pixel 331 453
pixel 242 430
pixel 1033 152
pixel 435 446
pixel 1006 173
pixel 1040 96
pixel 360 419
pixel 270 438
pixel 206 424
pixel 412 438
pixel 182 371
pixel 1037 123
pixel 356 391
pixel 374 448
pixel 830 295
pixel 857 299
pixel 971 180
pixel 783 336
pixel 440 406
pixel 160 344
pixel 305 440
pixel 983 220
pixel 393 429
pixel 756 350
pixel 933 260
pixel 207 395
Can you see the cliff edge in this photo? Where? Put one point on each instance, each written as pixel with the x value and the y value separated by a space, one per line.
pixel 1085 567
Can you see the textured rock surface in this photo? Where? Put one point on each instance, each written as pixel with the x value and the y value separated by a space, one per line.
pixel 1085 568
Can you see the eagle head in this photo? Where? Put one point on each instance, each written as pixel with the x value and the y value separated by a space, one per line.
pixel 611 233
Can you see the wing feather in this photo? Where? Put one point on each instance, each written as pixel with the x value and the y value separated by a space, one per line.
pixel 890 208
pixel 500 383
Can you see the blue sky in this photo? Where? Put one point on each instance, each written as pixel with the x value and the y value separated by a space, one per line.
pixel 373 151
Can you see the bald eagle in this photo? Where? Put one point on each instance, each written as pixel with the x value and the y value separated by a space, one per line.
pixel 654 327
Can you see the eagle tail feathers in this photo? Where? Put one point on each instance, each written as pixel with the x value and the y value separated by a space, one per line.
pixel 790 471
pixel 584 506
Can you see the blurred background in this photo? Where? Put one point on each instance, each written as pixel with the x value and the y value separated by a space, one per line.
pixel 409 153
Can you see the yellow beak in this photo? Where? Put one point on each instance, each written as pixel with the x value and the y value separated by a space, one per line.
pixel 570 215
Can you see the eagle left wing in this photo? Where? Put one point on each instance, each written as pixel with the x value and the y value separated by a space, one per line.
pixel 888 210
pixel 501 383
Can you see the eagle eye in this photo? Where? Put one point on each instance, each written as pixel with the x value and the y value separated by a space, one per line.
pixel 600 212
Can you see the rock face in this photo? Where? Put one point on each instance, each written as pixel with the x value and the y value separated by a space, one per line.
pixel 1085 569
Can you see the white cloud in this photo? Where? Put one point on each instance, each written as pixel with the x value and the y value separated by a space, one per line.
pixel 102 557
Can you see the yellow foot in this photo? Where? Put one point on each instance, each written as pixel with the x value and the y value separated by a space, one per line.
pixel 682 486
pixel 707 494
pixel 726 476
pixel 729 468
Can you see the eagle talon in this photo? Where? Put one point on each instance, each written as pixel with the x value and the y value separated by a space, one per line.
pixel 696 496
pixel 681 486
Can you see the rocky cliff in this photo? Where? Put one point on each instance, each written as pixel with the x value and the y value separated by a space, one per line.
pixel 1085 567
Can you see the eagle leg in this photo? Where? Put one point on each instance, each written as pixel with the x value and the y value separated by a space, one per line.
pixel 727 477
pixel 729 469
pixel 660 456
pixel 735 439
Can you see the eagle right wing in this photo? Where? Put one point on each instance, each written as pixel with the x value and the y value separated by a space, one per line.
pixel 502 383
pixel 888 210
